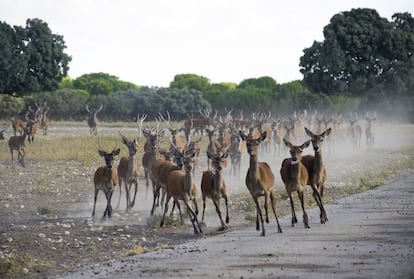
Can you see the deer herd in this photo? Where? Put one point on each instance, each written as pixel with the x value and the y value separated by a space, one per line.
pixel 171 171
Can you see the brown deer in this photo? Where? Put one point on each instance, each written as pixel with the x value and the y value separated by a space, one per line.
pixel 92 119
pixel 32 126
pixel 17 143
pixel 316 169
pixel 295 177
pixel 17 125
pixel 128 171
pixel 370 129
pixel 44 120
pixel 260 180
pixel 106 178
pixel 151 153
pixel 180 186
pixel 236 151
pixel 213 185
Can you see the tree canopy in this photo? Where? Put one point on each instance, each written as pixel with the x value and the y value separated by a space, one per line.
pixel 32 59
pixel 362 52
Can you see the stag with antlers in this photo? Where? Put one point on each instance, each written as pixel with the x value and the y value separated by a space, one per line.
pixel 180 186
pixel 128 171
pixel 92 119
pixel 106 178
pixel 260 180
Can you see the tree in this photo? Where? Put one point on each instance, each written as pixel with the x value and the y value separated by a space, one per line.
pixel 102 84
pixel 33 58
pixel 190 81
pixel 362 53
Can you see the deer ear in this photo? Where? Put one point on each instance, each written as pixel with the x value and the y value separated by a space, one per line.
pixel 116 152
pixel 263 136
pixel 306 144
pixel 209 155
pixel 326 133
pixel 101 152
pixel 287 143
pixel 308 132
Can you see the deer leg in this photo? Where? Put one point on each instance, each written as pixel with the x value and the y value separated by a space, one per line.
pixel 204 207
pixel 132 203
pixel 259 214
pixel 109 203
pixel 266 197
pixel 305 215
pixel 292 207
pixel 165 209
pixel 193 218
pixel 272 200
pixel 227 208
pixel 216 204
pixel 179 211
pixel 318 200
pixel 94 203
pixel 120 192
pixel 156 192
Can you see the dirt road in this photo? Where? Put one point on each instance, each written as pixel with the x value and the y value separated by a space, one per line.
pixel 369 235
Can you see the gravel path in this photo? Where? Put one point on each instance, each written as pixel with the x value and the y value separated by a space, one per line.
pixel 369 235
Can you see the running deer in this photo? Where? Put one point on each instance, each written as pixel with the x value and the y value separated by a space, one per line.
pixel 160 170
pixel 151 150
pixel 92 119
pixel 295 177
pixel 370 130
pixel 355 132
pixel 316 169
pixel 180 186
pixel 213 185
pixel 128 171
pixel 17 143
pixel 106 178
pixel 260 180
pixel 32 126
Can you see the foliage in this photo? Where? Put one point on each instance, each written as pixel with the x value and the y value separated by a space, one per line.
pixel 10 106
pixel 362 54
pixel 193 81
pixel 101 84
pixel 32 59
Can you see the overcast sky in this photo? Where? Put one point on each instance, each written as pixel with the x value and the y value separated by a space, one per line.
pixel 149 42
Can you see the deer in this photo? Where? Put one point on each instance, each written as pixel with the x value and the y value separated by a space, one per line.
pixel 236 151
pixel 213 185
pixel 180 186
pixel 160 170
pixel 316 169
pixel 151 153
pixel 32 126
pixel 92 119
pixel 17 125
pixel 41 113
pixel 17 143
pixel 295 177
pixel 260 180
pixel 106 178
pixel 370 129
pixel 128 171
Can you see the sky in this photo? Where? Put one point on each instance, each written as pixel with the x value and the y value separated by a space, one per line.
pixel 148 42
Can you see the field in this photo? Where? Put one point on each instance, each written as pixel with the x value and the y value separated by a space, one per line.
pixel 45 208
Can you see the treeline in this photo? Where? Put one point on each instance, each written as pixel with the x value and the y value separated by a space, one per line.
pixel 187 95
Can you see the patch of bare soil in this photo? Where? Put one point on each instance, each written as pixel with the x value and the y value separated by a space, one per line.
pixel 45 210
